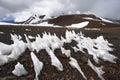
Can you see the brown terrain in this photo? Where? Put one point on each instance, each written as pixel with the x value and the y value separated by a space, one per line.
pixel 111 32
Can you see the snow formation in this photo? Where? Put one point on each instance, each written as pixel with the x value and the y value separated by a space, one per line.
pixel 98 48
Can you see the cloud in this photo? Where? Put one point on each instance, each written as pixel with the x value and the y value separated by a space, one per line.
pixel 107 8
pixel 25 8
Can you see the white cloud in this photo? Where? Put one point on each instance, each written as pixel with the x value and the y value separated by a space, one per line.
pixel 104 8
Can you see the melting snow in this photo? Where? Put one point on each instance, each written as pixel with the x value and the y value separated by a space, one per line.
pixel 88 18
pixel 19 70
pixel 38 65
pixel 98 48
pixel 54 60
pixel 18 47
pixel 3 59
pixel 73 62
pixel 105 20
pixel 66 52
pixel 98 70
pixel 79 25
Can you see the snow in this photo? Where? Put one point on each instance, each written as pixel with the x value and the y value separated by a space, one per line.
pixel 19 70
pixel 1 32
pixel 66 52
pixel 5 49
pixel 79 25
pixel 44 24
pixel 47 41
pixel 28 29
pixel 88 18
pixel 13 51
pixel 3 59
pixel 18 47
pixel 92 29
pixel 75 49
pixel 87 43
pixel 98 48
pixel 54 60
pixel 38 65
pixel 105 20
pixel 28 44
pixel 98 70
pixel 31 37
pixel 73 62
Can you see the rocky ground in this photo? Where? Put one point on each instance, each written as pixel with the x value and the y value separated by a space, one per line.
pixel 112 71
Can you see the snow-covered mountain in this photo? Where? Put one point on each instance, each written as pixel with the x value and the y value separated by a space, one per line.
pixel 71 20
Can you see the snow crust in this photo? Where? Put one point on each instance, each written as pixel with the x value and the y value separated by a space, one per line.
pixel 19 70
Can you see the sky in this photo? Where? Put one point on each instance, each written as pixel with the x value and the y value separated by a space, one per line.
pixel 22 9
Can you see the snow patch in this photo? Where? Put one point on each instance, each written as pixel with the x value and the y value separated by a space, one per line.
pixel 28 29
pixel 105 20
pixel 73 62
pixel 54 60
pixel 79 25
pixel 38 65
pixel 66 52
pixel 97 29
pixel 19 70
pixel 31 37
pixel 98 70
pixel 1 32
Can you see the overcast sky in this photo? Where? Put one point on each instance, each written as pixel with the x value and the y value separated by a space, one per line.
pixel 24 8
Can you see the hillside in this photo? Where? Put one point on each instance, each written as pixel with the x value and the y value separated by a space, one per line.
pixel 60 53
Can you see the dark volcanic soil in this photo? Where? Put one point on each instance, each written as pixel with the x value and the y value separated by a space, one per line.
pixel 112 71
